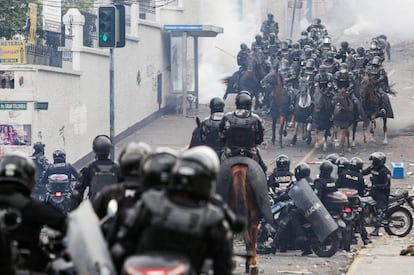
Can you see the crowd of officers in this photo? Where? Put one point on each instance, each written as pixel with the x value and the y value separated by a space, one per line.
pixel 314 58
pixel 334 172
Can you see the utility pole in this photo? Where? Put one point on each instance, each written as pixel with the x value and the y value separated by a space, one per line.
pixel 293 19
pixel 111 102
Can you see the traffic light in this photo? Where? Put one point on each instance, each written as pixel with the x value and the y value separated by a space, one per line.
pixel 120 26
pixel 107 26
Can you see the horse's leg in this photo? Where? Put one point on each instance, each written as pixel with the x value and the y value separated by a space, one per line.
pixel 282 126
pixel 384 128
pixel 335 134
pixel 364 130
pixel 316 138
pixel 373 126
pixel 348 143
pixel 354 127
pixel 325 140
pixel 273 129
pixel 295 136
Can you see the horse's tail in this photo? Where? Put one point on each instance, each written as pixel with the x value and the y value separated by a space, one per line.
pixel 226 80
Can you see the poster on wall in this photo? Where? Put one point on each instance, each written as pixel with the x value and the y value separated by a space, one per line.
pixel 15 134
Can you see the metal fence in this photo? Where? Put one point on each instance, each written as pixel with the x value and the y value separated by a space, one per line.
pixel 43 55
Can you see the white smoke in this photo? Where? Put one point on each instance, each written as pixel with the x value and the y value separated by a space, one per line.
pixel 218 55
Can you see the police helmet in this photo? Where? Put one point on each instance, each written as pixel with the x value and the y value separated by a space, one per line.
pixel 284 45
pixel 310 63
pixel 325 169
pixel 302 170
pixel 282 163
pixel 332 158
pixel 195 173
pixel 270 16
pixel 18 171
pixel 39 147
pixel 59 156
pixel 374 44
pixel 244 100
pixel 216 105
pixel 356 164
pixel 304 33
pixel 361 51
pixel 308 51
pixel 343 68
pixel 243 46
pixel 130 158
pixel 376 60
pixel 102 145
pixel 342 163
pixel 330 56
pixel 344 44
pixel 382 36
pixel 296 46
pixel 317 21
pixel 258 37
pixel 156 168
pixel 378 159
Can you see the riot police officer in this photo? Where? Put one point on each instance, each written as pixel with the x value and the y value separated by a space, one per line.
pixel 344 52
pixel 325 184
pixel 201 230
pixel 380 186
pixel 281 176
pixel 358 60
pixel 269 26
pixel 209 131
pixel 17 178
pixel 129 190
pixel 258 43
pixel 242 56
pixel 343 165
pixel 353 179
pixel 41 164
pixel 242 130
pixel 60 166
pixel 100 172
pixel 332 158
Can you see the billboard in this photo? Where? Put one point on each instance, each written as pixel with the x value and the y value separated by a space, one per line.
pixel 12 52
pixel 16 134
pixel 52 17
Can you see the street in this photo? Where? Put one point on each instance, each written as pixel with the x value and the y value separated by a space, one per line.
pixel 174 131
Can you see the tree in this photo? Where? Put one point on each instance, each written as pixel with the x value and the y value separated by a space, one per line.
pixel 13 17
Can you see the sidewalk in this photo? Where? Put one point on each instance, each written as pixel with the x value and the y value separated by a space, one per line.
pixel 383 257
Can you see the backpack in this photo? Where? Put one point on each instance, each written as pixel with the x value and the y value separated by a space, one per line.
pixel 103 175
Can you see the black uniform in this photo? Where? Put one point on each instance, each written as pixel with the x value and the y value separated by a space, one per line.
pixel 241 131
pixel 324 186
pixel 87 173
pixel 34 215
pixel 381 185
pixel 126 193
pixel 278 178
pixel 209 132
pixel 161 222
pixel 59 168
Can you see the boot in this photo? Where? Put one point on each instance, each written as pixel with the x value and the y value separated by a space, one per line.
pixel 375 233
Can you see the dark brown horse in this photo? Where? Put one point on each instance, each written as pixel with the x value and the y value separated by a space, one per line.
pixel 280 109
pixel 343 117
pixel 321 118
pixel 375 105
pixel 242 184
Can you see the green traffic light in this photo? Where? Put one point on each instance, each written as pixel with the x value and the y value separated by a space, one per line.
pixel 104 37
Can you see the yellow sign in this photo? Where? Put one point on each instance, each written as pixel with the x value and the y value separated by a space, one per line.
pixel 33 22
pixel 12 52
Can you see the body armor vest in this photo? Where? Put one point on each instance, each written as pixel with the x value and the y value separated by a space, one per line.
pixel 210 131
pixel 242 131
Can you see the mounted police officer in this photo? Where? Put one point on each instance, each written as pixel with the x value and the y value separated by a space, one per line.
pixel 325 81
pixel 344 52
pixel 358 60
pixel 375 50
pixel 209 131
pixel 181 219
pixel 380 186
pixel 242 130
pixel 305 40
pixel 258 44
pixel 17 178
pixel 269 26
pixel 331 63
pixel 317 29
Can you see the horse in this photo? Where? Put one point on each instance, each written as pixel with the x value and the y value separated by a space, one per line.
pixel 375 104
pixel 303 112
pixel 281 108
pixel 242 185
pixel 321 118
pixel 343 117
pixel 248 79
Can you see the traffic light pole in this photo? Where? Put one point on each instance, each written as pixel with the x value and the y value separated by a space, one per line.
pixel 111 102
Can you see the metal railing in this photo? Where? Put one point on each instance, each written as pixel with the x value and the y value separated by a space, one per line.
pixel 43 55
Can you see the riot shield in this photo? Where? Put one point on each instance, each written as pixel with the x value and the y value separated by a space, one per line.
pixel 313 209
pixel 86 243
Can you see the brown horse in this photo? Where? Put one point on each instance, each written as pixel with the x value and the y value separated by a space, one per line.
pixel 375 106
pixel 242 184
pixel 343 117
pixel 280 109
